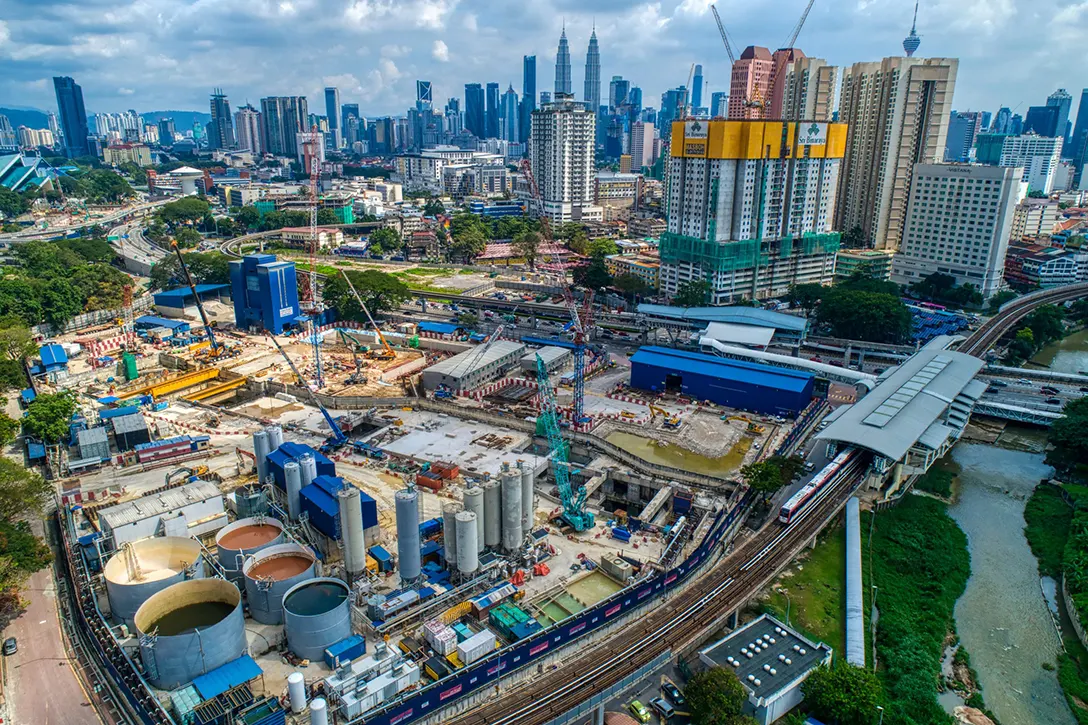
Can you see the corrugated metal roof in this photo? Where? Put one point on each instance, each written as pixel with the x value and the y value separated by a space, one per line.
pixel 53 355
pixel 153 321
pixel 736 315
pixel 90 436
pixel 441 328
pixel 470 360
pixel 547 354
pixel 739 334
pixel 186 293
pixel 227 676
pixel 159 503
pixel 906 403
pixel 163 442
pixel 719 367
pixel 119 412
pixel 129 423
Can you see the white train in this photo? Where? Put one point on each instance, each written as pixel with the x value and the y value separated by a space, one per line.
pixel 798 500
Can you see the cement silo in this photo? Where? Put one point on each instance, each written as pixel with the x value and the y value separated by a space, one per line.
pixel 236 541
pixel 528 505
pixel 309 468
pixel 351 530
pixel 316 614
pixel 468 558
pixel 408 556
pixel 189 629
pixel 270 573
pixel 474 502
pixel 492 514
pixel 261 449
pixel 292 477
pixel 449 533
pixel 511 511
pixel 275 436
pixel 148 566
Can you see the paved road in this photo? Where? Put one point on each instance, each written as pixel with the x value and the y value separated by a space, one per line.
pixel 41 686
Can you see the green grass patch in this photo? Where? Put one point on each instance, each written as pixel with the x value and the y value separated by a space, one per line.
pixel 1073 677
pixel 938 480
pixel 429 271
pixel 1047 517
pixel 816 588
pixel 920 564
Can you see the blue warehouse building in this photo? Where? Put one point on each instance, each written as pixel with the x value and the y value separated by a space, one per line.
pixel 172 302
pixel 265 293
pixel 732 383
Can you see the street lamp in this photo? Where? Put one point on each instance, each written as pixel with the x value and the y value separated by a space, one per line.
pixel 881 711
pixel 787 596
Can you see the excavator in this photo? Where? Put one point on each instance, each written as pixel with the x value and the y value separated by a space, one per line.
pixel 387 352
pixel 215 350
pixel 753 429
pixel 671 421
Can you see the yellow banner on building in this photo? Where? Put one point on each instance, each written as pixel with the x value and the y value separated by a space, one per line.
pixel 751 139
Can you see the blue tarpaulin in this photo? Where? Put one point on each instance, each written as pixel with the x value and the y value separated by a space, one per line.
pixel 227 676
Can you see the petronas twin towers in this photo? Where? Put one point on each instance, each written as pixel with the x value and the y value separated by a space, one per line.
pixel 564 84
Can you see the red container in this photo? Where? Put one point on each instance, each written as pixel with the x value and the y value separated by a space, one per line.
pixel 434 484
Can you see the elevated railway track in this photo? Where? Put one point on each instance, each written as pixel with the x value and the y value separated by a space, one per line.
pixel 988 335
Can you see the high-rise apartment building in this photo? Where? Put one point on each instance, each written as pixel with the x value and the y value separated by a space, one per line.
pixel 167 131
pixel 492 118
pixel 562 67
pixel 561 153
pixel 806 89
pixel 963 129
pixel 592 95
pixel 508 115
pixel 751 78
pixel 897 112
pixel 958 223
pixel 54 126
pixel 73 116
pixel 220 128
pixel 9 141
pixel 282 119
pixel 642 145
pixel 332 112
pixel 1038 156
pixel 750 206
pixel 247 124
pixel 474 110
pixel 697 88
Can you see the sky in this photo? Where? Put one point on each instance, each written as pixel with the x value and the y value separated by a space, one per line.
pixel 169 54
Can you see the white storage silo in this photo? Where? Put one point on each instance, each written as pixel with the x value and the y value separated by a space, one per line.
pixel 511 510
pixel 292 475
pixel 474 502
pixel 468 559
pixel 309 468
pixel 492 514
pixel 528 507
pixel 351 530
pixel 296 691
pixel 449 533
pixel 408 555
pixel 261 449
pixel 275 436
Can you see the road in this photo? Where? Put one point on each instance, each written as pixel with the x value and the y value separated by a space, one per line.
pixel 32 234
pixel 1029 394
pixel 41 686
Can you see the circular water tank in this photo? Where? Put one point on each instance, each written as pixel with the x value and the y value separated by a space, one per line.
pixel 244 537
pixel 270 573
pixel 146 567
pixel 197 626
pixel 316 614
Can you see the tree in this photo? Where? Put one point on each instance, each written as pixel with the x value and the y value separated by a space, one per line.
pixel 1046 324
pixel 602 248
pixel 693 293
pixel 1021 348
pixel 631 285
pixel 853 238
pixel 9 430
pixel 1069 444
pixel 468 320
pixel 842 694
pixel 48 416
pixel 248 216
pixel 205 267
pixel 715 697
pixel 380 291
pixel 527 243
pixel 187 237
pixel 16 342
pixel 593 275
pixel 768 476
pixel 11 204
pixel 384 240
pixel 805 296
pixel 92 249
pixel 46 260
pixel 60 301
pixel 434 207
pixel 462 222
pixel 869 316
pixel 187 210
pixel 470 244
pixel 22 492
pixel 102 185
pixel 1005 295
pixel 577 241
pixel 327 216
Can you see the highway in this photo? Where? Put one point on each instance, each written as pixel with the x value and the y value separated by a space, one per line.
pixel 29 235
pixel 674 624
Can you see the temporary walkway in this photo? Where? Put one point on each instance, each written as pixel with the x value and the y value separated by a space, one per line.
pixel 855 607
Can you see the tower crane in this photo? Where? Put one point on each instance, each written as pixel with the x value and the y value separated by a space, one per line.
pixel 725 36
pixel 310 301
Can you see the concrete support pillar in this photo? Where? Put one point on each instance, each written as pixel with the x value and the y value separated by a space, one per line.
pixel 849 353
pixel 598 715
pixel 861 360
pixel 731 620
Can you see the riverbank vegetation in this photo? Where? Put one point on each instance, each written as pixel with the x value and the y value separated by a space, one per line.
pixel 1068 451
pixel 939 479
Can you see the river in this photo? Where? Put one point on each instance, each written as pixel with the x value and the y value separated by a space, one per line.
pixel 1002 618
pixel 1068 355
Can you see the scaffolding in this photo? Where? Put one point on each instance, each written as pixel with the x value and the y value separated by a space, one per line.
pixel 714 257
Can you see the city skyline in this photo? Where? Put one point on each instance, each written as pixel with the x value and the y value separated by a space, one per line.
pixel 652 44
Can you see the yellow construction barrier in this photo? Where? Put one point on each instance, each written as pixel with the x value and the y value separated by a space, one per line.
pixel 181 382
pixel 216 390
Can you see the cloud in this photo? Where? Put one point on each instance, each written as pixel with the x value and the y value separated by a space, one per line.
pixel 694 7
pixel 125 91
pixel 5 34
pixel 395 51
pixel 440 52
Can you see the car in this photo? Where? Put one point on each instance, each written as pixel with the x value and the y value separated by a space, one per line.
pixel 1054 401
pixel 1049 390
pixel 662 708
pixel 1022 381
pixel 998 384
pixel 639 711
pixel 673 693
pixel 809 467
pixel 1084 389
pixel 854 367
pixel 11 646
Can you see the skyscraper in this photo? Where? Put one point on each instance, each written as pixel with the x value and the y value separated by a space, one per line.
pixel 454 123
pixel 593 73
pixel 424 99
pixel 474 109
pixel 545 97
pixel 220 128
pixel 509 115
pixel 963 127
pixel 492 119
pixel 166 131
pixel 697 87
pixel 1043 121
pixel 73 116
pixel 332 112
pixel 719 104
pixel 562 66
pixel 9 142
pixel 561 152
pixel 247 124
pixel 642 145
pixel 897 112
pixel 54 127
pixel 1061 100
pixel 528 97
pixel 1079 145
pixel 751 78
pixel 618 89
pixel 673 102
pixel 1038 156
pixel 282 119
pixel 1003 118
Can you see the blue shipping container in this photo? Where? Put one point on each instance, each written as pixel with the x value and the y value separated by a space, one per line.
pixel 345 651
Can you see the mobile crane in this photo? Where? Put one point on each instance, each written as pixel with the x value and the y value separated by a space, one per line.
pixel 216 351
pixel 387 352
pixel 338 438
